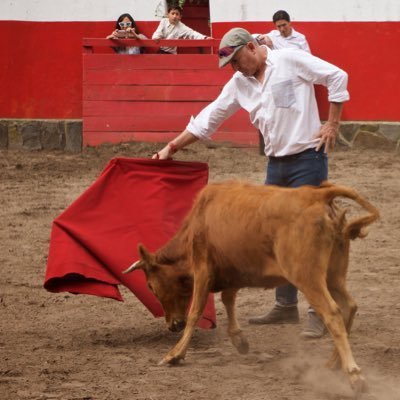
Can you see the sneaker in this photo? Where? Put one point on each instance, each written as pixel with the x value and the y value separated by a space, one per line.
pixel 315 328
pixel 278 315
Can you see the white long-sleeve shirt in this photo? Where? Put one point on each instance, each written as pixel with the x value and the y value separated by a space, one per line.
pixel 295 40
pixel 283 107
pixel 166 30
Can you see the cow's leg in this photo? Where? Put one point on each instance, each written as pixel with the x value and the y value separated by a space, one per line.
pixel 323 303
pixel 199 301
pixel 228 297
pixel 336 281
pixel 348 308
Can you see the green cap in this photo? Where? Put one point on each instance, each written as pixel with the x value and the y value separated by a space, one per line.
pixel 231 43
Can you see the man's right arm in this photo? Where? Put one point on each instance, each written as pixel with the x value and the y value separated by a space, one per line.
pixel 206 122
pixel 181 141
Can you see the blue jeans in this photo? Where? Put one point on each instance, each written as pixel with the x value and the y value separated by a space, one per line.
pixel 309 167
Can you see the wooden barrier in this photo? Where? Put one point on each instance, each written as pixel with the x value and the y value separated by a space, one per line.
pixel 151 97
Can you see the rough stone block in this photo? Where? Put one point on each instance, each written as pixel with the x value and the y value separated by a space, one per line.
pixel 30 133
pixel 14 135
pixel 369 127
pixel 73 136
pixel 52 135
pixel 390 131
pixel 348 131
pixel 366 139
pixel 3 134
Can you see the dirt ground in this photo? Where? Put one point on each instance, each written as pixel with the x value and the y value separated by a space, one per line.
pixel 61 346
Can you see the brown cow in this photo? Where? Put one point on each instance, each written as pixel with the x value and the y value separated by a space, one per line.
pixel 241 235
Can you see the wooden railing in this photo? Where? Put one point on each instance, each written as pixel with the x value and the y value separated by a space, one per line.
pixel 151 97
pixel 152 45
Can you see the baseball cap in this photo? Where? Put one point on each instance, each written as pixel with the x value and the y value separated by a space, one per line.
pixel 231 43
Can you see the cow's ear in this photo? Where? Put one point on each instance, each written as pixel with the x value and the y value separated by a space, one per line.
pixel 147 258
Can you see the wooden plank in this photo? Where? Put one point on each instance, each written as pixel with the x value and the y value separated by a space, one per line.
pixel 97 138
pixel 140 108
pixel 157 123
pixel 150 93
pixel 138 123
pixel 185 78
pixel 101 42
pixel 149 61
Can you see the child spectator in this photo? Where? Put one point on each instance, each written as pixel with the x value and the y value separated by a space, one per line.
pixel 125 28
pixel 172 28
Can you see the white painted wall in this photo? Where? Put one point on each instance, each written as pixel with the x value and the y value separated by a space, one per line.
pixel 305 10
pixel 80 10
pixel 220 10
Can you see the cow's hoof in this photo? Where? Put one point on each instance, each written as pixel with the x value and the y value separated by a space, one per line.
pixel 241 344
pixel 170 360
pixel 359 386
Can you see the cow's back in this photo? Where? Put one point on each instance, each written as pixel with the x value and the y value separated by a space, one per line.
pixel 243 228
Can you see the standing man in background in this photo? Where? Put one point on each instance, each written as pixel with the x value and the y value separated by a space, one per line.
pixel 284 36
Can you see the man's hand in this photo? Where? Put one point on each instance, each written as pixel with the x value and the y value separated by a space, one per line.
pixel 264 39
pixel 174 145
pixel 328 134
pixel 163 154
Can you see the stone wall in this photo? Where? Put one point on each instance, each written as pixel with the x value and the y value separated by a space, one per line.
pixel 67 135
pixel 41 134
pixel 371 134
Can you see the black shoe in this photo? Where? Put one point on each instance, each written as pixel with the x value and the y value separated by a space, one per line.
pixel 278 315
pixel 315 328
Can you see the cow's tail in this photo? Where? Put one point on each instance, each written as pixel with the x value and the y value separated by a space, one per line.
pixel 355 227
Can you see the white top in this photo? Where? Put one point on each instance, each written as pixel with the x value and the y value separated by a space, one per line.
pixel 283 107
pixel 130 49
pixel 295 41
pixel 166 30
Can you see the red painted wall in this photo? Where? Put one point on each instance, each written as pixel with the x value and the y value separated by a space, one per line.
pixel 41 72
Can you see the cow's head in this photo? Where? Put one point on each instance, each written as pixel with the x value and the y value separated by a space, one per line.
pixel 170 282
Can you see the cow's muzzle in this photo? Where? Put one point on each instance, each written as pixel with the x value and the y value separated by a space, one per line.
pixel 177 326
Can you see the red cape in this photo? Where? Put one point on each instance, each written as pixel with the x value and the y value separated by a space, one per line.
pixel 133 201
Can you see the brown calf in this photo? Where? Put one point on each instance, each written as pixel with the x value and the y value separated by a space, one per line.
pixel 241 235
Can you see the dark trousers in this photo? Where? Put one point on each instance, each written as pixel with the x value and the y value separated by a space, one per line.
pixel 306 168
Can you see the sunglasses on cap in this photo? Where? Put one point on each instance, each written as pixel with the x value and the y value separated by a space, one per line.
pixel 227 51
pixel 125 24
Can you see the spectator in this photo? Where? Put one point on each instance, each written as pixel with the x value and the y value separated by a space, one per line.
pixel 172 28
pixel 126 28
pixel 284 36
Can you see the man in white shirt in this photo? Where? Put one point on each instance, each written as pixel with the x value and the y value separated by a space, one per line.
pixel 276 88
pixel 284 36
pixel 172 28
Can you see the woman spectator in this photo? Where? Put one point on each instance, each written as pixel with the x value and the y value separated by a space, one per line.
pixel 125 28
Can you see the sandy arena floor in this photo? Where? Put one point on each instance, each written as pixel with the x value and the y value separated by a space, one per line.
pixel 61 346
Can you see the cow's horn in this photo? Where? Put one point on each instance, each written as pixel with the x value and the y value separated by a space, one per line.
pixel 134 266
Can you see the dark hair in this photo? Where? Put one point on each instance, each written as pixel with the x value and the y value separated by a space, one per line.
pixel 175 7
pixel 129 16
pixel 281 14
